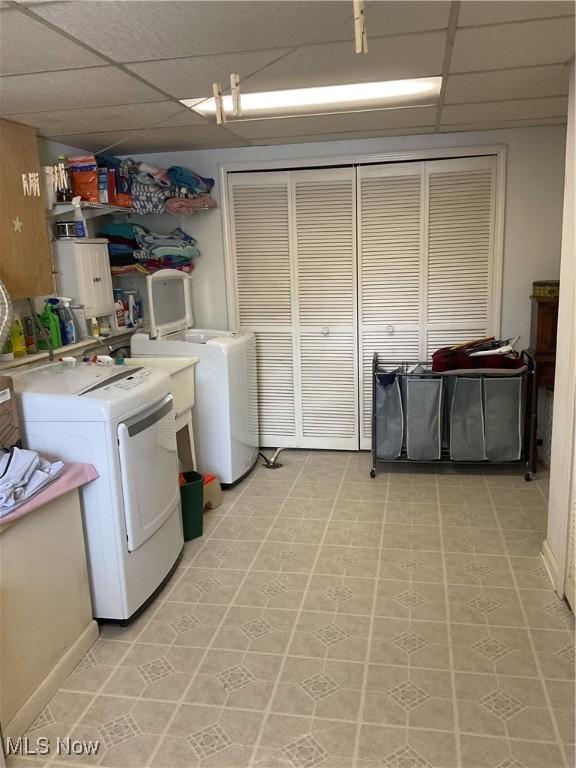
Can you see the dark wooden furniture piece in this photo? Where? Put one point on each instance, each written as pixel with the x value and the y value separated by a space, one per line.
pixel 543 338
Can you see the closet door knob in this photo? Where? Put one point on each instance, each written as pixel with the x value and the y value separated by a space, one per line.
pixel 325 331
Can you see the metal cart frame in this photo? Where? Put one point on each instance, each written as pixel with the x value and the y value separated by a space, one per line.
pixel 529 417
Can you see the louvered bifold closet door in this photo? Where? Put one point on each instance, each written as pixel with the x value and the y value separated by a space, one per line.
pixel 262 287
pixel 460 250
pixel 390 246
pixel 325 271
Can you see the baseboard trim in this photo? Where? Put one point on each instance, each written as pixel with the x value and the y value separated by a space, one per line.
pixel 551 565
pixel 30 710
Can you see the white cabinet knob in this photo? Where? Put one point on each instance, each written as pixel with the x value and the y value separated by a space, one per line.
pixel 325 331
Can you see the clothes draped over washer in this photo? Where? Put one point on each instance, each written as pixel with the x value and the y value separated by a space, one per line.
pixel 22 474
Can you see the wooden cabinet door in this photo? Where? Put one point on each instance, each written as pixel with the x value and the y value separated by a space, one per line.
pixel 25 264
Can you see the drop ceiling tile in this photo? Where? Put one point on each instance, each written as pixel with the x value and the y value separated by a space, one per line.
pixel 525 44
pixel 72 89
pixel 499 124
pixel 345 136
pixel 325 125
pixel 114 118
pixel 521 109
pixel 192 77
pixel 186 117
pixel 155 140
pixel 395 17
pixel 499 11
pixel 388 58
pixel 39 2
pixel 140 31
pixel 27 45
pixel 551 80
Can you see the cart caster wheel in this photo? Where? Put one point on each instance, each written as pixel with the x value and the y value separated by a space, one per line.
pixel 372 473
pixel 529 476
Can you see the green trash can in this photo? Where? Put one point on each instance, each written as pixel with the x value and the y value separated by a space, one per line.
pixel 192 497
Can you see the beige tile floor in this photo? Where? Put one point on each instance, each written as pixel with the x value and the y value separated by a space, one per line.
pixel 327 620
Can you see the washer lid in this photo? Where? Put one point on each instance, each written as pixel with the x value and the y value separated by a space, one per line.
pixel 169 302
pixel 68 379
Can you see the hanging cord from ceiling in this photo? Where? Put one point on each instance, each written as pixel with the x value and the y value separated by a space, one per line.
pixel 257 71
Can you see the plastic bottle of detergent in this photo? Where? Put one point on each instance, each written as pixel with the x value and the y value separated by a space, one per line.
pixel 51 322
pixel 6 352
pixel 120 308
pixel 132 315
pixel 18 338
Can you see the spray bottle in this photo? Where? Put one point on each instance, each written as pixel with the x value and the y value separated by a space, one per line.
pixel 79 223
pixel 68 327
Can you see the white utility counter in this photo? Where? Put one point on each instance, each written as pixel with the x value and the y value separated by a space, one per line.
pixel 181 372
pixel 46 623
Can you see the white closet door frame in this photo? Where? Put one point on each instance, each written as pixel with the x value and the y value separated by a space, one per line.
pixel 335 329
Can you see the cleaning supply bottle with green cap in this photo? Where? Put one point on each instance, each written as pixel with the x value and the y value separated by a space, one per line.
pixel 51 322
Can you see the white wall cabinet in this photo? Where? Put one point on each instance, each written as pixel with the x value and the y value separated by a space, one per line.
pixel 329 265
pixel 84 275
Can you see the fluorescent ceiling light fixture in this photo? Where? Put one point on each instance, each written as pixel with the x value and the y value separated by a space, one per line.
pixel 388 94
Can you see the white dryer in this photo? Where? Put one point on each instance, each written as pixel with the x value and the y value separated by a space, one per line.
pixel 120 420
pixel 226 410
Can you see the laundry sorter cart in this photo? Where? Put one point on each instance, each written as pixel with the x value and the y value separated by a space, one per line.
pixel 477 418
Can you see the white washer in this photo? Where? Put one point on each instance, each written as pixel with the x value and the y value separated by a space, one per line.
pixel 120 420
pixel 226 410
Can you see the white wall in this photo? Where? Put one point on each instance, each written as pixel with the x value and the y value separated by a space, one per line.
pixel 48 151
pixel 533 220
pixel 563 436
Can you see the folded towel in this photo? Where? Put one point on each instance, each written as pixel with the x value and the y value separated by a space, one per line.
pixel 182 177
pixel 150 240
pixel 148 198
pixel 149 174
pixel 118 230
pixel 180 206
pixel 22 474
